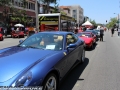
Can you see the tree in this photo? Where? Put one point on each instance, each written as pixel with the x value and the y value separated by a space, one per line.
pixel 11 10
pixel 112 22
pixel 56 5
pixel 47 4
pixel 93 22
pixel 4 4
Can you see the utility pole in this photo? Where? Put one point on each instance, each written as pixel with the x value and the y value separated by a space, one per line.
pixel 36 12
pixel 118 17
pixel 118 21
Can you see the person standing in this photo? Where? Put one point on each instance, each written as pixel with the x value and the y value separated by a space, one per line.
pixel 112 31
pixel 101 33
pixel 119 32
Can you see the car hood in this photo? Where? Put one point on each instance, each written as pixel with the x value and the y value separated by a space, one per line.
pixel 15 59
pixel 86 39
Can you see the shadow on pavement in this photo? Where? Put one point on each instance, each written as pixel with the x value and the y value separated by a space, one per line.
pixel 70 80
pixel 9 36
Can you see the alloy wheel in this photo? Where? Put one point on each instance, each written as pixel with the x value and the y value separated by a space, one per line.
pixel 51 83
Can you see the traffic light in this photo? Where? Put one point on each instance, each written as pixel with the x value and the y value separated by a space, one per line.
pixel 106 20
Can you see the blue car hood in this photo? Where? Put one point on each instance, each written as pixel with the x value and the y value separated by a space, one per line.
pixel 15 59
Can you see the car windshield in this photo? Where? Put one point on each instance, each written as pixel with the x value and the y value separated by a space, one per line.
pixel 91 31
pixel 83 34
pixel 97 31
pixel 87 35
pixel 46 41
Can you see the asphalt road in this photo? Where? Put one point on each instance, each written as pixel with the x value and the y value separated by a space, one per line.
pixel 100 70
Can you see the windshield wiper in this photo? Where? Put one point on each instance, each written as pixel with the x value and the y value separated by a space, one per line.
pixel 32 47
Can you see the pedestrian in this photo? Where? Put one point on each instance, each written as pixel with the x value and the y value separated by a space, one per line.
pixel 118 31
pixel 101 33
pixel 112 31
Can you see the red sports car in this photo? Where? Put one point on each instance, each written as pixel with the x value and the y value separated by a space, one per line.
pixel 92 36
pixel 17 34
pixel 88 38
pixel 1 35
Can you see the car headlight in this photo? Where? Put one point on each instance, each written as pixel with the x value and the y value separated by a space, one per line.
pixel 23 80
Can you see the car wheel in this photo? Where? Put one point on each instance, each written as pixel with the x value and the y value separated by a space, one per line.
pixel 2 38
pixel 91 46
pixel 50 82
pixel 83 56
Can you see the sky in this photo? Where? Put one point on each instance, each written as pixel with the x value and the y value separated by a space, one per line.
pixel 98 10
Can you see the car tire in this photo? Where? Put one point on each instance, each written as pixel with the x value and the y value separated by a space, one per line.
pixel 91 46
pixel 50 82
pixel 83 56
pixel 2 39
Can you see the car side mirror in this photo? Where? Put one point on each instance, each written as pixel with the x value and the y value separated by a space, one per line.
pixel 71 46
pixel 20 41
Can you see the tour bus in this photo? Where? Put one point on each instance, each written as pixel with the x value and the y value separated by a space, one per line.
pixel 56 21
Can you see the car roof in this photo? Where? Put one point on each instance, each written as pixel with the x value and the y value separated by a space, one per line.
pixel 96 30
pixel 87 32
pixel 57 32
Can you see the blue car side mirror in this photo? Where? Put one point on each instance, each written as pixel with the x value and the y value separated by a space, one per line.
pixel 71 46
pixel 20 41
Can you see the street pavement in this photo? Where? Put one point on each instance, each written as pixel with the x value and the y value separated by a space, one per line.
pixel 100 71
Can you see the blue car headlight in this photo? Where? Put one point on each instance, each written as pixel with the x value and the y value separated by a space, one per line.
pixel 23 80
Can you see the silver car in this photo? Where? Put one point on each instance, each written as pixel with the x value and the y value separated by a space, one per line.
pixel 98 32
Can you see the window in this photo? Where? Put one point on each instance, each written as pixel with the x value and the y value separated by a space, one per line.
pixel 68 11
pixel 75 37
pixel 16 3
pixel 29 5
pixel 32 6
pixel 71 39
pixel 74 16
pixel 12 1
pixel 44 41
pixel 74 11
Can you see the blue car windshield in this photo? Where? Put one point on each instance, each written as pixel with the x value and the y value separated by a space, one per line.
pixel 46 41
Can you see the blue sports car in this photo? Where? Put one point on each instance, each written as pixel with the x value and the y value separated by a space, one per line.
pixel 43 59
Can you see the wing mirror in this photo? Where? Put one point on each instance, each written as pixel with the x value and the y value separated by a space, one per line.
pixel 71 46
pixel 20 41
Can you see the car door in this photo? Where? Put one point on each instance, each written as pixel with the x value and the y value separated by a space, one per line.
pixel 72 53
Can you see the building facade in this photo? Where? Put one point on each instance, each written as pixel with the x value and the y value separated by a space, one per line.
pixel 66 10
pixel 30 10
pixel 74 11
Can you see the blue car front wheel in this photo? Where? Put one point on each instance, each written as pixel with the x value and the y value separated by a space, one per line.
pixel 50 82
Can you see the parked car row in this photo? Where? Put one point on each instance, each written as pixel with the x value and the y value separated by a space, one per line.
pixel 90 37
